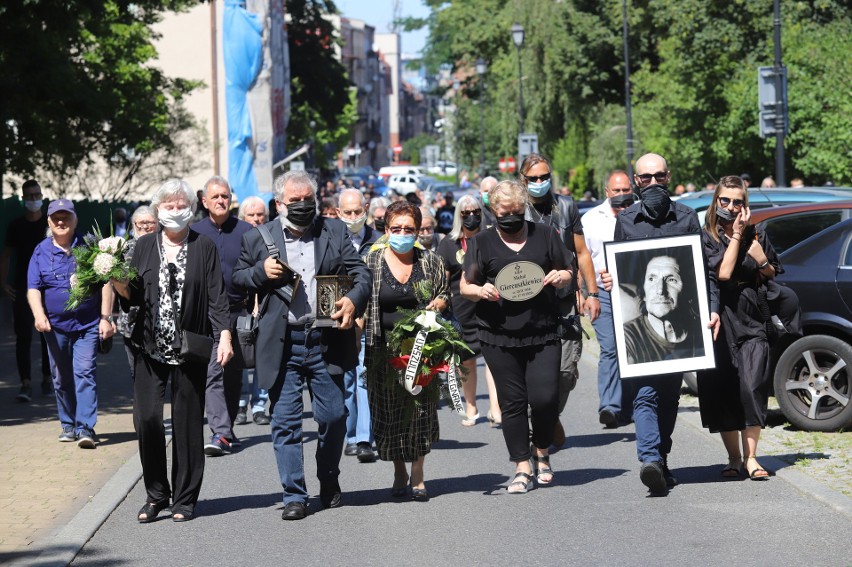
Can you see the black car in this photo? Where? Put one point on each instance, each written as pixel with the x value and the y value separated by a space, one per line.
pixel 813 374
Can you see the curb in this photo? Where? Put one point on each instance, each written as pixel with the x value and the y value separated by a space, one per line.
pixel 784 470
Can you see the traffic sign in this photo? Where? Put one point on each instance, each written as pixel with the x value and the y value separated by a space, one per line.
pixel 397 149
pixel 527 144
pixel 769 103
pixel 501 165
pixel 510 164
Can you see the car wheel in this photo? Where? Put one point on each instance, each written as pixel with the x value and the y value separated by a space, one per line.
pixel 813 383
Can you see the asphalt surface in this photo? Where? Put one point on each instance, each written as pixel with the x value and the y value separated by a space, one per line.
pixel 596 511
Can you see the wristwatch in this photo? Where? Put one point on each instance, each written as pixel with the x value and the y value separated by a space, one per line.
pixel 592 294
pixel 108 318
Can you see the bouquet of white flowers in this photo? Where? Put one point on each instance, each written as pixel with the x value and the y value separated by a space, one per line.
pixel 98 260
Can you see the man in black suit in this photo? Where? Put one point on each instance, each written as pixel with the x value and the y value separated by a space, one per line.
pixel 291 352
pixel 359 435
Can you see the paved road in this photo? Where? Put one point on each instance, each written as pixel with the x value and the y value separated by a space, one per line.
pixel 596 512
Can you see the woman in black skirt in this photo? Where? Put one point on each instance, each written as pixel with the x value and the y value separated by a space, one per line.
pixel 466 224
pixel 734 395
pixel 519 337
pixel 404 431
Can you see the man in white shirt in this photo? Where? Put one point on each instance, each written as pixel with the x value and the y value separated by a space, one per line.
pixel 598 227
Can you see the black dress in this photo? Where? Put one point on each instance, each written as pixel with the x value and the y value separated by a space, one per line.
pixel 734 395
pixel 453 253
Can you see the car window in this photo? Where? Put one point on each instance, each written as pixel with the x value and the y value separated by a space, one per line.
pixel 847 260
pixel 789 230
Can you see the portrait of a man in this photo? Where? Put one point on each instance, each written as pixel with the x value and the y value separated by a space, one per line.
pixel 658 298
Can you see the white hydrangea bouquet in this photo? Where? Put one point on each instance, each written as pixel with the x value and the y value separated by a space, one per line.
pixel 98 260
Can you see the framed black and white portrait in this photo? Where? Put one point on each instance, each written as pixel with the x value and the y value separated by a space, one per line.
pixel 660 305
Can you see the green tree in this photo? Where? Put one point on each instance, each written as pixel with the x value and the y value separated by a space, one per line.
pixel 77 82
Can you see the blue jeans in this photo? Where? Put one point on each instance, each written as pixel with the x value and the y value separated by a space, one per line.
pixel 74 356
pixel 358 429
pixel 257 396
pixel 302 365
pixel 609 380
pixel 655 401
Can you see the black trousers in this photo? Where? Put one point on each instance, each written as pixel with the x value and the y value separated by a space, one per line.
pixel 23 324
pixel 526 377
pixel 149 387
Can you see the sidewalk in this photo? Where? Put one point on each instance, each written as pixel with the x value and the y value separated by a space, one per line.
pixel 44 483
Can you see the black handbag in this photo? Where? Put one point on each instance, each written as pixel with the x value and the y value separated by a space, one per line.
pixel 248 325
pixel 195 347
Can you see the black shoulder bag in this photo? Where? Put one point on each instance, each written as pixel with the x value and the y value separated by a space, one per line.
pixel 248 325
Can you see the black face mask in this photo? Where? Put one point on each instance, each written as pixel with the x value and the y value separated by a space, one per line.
pixel 511 224
pixel 380 224
pixel 302 213
pixel 725 215
pixel 655 201
pixel 472 222
pixel 622 200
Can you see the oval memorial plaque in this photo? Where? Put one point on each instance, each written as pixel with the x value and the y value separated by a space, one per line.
pixel 519 281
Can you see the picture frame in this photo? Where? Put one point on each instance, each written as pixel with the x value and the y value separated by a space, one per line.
pixel 660 305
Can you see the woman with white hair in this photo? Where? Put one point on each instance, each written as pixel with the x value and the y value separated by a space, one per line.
pixel 467 223
pixel 178 287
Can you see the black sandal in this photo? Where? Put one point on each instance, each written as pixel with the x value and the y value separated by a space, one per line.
pixel 541 465
pixel 151 510
pixel 521 479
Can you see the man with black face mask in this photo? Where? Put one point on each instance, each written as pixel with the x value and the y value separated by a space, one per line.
pixel 598 228
pixel 291 352
pixel 655 398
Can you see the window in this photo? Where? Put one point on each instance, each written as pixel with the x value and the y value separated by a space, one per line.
pixel 789 230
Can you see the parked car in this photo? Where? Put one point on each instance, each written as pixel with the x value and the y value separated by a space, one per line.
pixel 404 184
pixel 790 224
pixel 387 171
pixel 813 374
pixel 442 167
pixel 762 198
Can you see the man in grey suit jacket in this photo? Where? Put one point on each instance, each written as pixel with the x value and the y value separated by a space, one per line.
pixel 291 353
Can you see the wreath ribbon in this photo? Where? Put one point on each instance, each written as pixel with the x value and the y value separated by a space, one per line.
pixel 410 377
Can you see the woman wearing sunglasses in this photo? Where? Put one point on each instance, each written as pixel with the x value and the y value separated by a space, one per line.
pixel 734 396
pixel 467 223
pixel 400 266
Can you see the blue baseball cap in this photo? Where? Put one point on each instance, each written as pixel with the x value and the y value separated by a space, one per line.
pixel 60 205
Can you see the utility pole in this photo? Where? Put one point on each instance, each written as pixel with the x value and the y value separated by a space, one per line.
pixel 780 103
pixel 629 167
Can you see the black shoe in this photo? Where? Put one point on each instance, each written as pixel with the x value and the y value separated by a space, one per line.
pixel 651 474
pixel 294 511
pixel 419 495
pixel 608 418
pixel 366 453
pixel 330 495
pixel 25 394
pixel 671 481
pixel 241 418
pixel 351 450
pixel 260 418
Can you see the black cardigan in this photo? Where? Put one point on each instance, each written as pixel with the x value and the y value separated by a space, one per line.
pixel 204 305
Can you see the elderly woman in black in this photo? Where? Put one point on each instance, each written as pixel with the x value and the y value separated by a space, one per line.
pixel 178 287
pixel 518 333
pixel 399 265
pixel 734 396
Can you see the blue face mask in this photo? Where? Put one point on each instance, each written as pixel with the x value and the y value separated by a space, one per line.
pixel 402 243
pixel 539 189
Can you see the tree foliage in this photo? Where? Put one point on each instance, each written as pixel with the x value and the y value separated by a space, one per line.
pixel 77 82
pixel 694 82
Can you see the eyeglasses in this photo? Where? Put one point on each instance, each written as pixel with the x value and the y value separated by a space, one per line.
pixel 725 201
pixel 660 176
pixel 537 178
pixel 403 230
pixel 144 224
pixel 427 230
pixel 466 214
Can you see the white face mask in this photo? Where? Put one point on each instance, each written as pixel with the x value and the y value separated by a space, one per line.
pixel 355 225
pixel 33 206
pixel 175 220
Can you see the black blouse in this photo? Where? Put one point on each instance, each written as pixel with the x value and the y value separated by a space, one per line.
pixel 453 253
pixel 516 323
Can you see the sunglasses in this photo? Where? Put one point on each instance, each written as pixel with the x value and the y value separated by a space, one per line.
pixel 725 201
pixel 537 178
pixel 466 214
pixel 403 230
pixel 660 176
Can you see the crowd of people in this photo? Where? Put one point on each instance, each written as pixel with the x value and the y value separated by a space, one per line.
pixel 514 267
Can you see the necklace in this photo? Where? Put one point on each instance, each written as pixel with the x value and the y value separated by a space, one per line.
pixel 181 243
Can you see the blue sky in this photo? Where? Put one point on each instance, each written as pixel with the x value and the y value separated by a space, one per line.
pixel 379 13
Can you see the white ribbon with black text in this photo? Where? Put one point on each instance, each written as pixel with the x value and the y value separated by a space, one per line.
pixel 414 363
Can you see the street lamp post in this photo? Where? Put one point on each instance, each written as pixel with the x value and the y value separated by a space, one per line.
pixel 627 95
pixel 456 86
pixel 518 38
pixel 480 70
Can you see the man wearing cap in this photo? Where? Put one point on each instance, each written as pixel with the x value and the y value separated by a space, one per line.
pixel 71 334
pixel 22 236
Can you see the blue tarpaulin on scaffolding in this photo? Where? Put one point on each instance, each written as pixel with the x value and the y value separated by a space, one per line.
pixel 243 56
